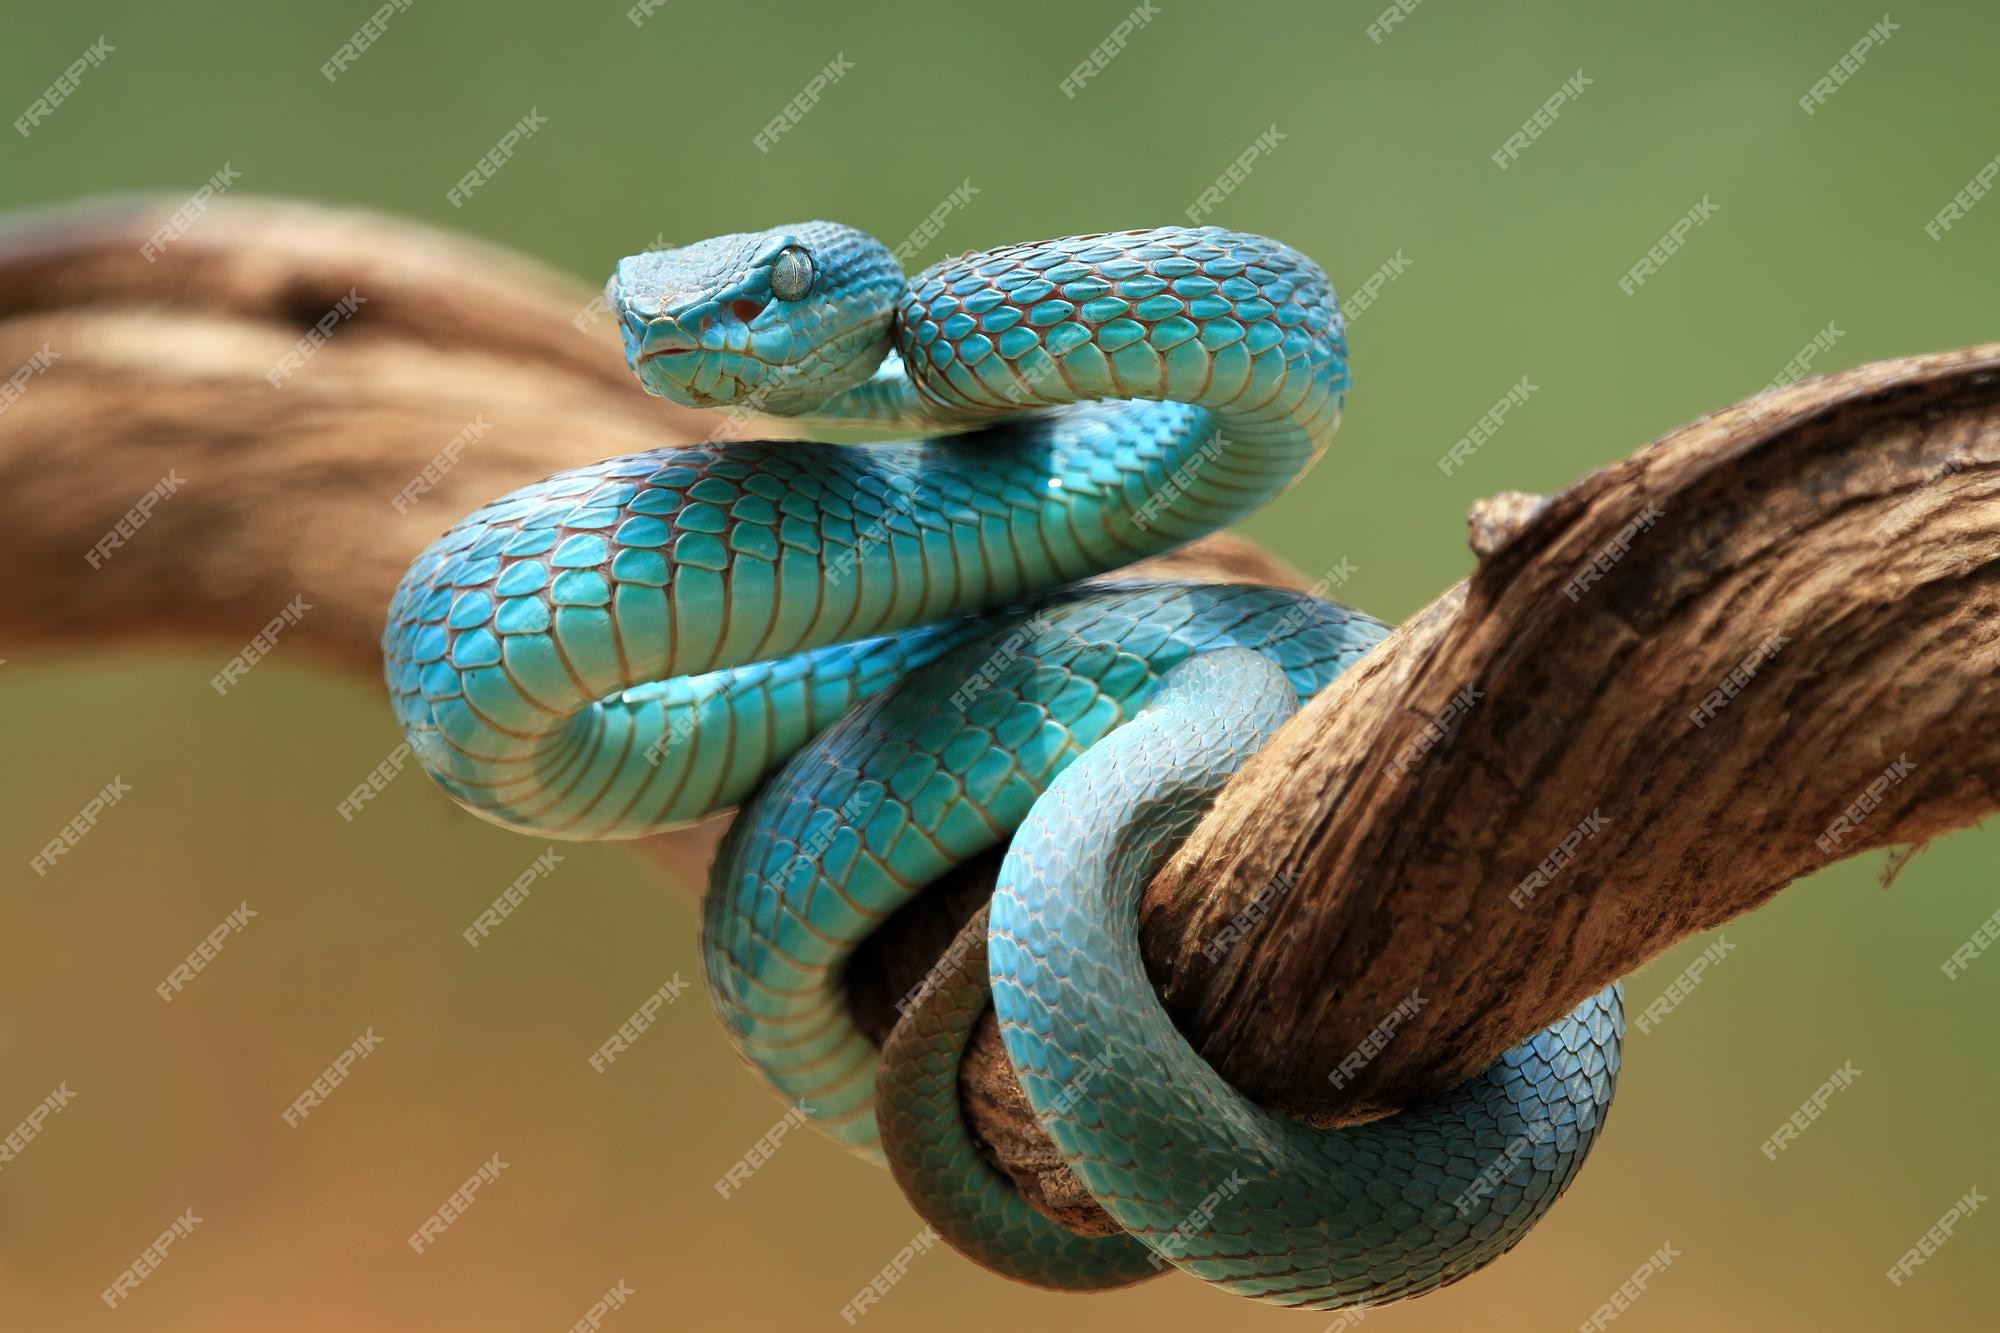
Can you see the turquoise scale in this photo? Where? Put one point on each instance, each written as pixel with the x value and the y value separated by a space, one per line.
pixel 881 650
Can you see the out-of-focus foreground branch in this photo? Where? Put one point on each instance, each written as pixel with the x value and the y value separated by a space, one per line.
pixel 143 372
pixel 157 377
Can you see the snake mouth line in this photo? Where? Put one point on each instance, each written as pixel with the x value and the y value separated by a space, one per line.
pixel 661 352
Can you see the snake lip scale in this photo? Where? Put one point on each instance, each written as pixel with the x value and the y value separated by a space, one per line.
pixel 895 653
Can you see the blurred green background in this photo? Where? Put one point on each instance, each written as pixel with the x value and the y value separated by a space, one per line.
pixel 1386 153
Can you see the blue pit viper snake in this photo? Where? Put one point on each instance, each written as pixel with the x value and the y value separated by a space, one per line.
pixel 878 646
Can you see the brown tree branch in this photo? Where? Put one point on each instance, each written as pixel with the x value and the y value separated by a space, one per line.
pixel 159 366
pixel 162 366
pixel 1371 850
pixel 1766 642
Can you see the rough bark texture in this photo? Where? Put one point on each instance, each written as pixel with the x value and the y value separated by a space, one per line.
pixel 1384 843
pixel 1390 841
pixel 1718 647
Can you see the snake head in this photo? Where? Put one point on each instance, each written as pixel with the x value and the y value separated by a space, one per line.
pixel 779 321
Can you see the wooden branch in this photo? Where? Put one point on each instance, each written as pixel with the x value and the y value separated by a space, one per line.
pixel 159 367
pixel 1767 642
pixel 1388 839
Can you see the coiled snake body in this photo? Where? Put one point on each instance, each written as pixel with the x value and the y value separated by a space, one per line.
pixel 883 652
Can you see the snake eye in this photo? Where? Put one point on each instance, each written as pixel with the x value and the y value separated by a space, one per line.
pixel 792 274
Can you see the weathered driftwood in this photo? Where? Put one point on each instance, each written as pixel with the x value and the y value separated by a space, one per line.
pixel 1647 711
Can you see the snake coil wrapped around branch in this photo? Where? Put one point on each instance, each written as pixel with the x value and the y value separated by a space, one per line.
pixel 1842 528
